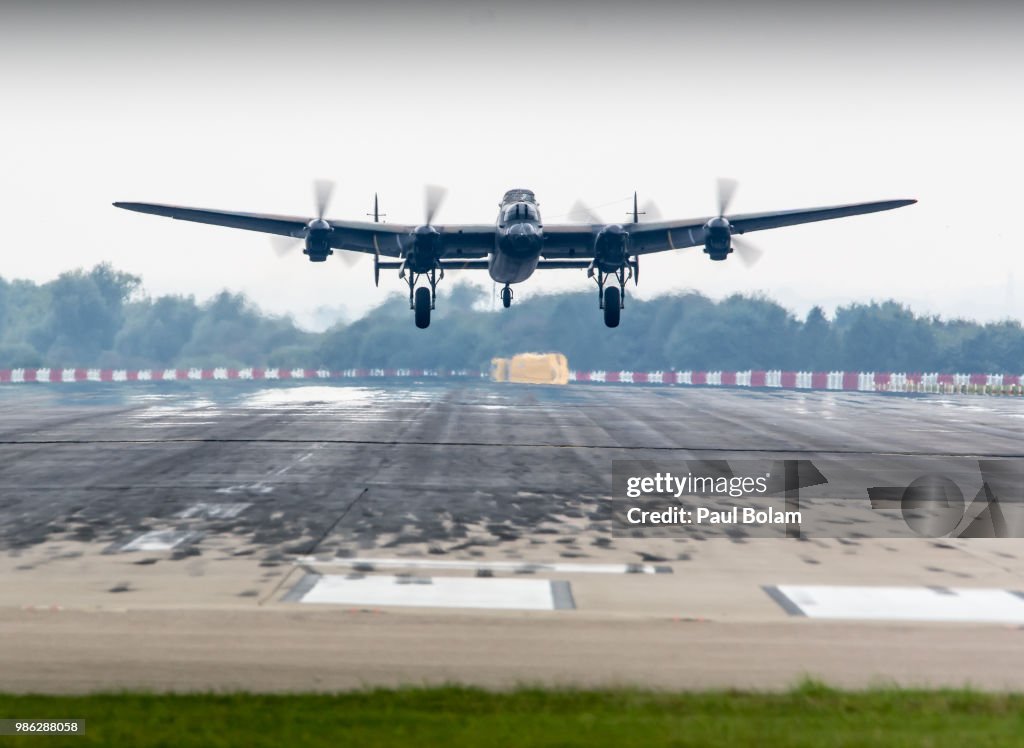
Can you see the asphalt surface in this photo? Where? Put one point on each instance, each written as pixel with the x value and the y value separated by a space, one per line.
pixel 160 536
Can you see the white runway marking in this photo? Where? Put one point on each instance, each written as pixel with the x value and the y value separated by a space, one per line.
pixel 437 592
pixel 253 488
pixel 515 567
pixel 322 395
pixel 963 604
pixel 158 540
pixel 261 486
pixel 286 468
pixel 214 511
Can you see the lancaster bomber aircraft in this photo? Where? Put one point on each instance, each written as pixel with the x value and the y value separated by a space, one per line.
pixel 518 243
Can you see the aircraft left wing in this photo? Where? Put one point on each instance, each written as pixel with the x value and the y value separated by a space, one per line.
pixel 387 239
pixel 659 236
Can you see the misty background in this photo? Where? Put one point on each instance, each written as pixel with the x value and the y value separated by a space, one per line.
pixel 103 317
pixel 241 105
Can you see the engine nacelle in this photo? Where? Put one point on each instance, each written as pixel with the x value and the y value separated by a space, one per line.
pixel 611 248
pixel 424 250
pixel 318 241
pixel 717 239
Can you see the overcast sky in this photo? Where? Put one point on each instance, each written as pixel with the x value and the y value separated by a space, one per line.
pixel 241 106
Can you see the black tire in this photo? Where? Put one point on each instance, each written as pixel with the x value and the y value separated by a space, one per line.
pixel 611 307
pixel 422 307
pixel 506 297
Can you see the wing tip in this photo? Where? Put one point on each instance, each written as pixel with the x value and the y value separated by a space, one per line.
pixel 153 208
pixel 893 204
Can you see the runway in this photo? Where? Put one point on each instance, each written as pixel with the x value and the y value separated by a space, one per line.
pixel 293 536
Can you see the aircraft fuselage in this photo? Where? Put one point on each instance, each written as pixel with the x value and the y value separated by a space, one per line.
pixel 519 238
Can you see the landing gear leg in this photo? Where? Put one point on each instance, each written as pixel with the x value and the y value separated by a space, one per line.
pixel 506 296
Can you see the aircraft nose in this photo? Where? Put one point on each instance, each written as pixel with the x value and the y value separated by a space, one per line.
pixel 522 231
pixel 522 238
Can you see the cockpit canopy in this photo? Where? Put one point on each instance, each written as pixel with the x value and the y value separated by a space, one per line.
pixel 519 212
pixel 518 195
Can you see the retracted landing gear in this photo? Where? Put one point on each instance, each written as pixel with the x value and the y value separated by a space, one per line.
pixel 506 296
pixel 422 299
pixel 612 299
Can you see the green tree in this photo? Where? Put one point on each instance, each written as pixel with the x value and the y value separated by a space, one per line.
pixel 997 347
pixel 885 337
pixel 3 307
pixel 155 331
pixel 816 343
pixel 85 314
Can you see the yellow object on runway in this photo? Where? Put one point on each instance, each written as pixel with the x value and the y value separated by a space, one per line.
pixel 531 368
pixel 499 369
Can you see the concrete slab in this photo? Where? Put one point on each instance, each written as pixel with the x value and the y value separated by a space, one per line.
pixel 965 605
pixel 433 592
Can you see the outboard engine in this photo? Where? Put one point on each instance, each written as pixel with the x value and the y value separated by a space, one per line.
pixel 318 240
pixel 717 238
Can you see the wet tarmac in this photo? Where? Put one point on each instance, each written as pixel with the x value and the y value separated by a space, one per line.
pixel 344 469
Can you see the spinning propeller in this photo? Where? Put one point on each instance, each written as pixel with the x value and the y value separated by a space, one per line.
pixel 433 197
pixel 323 189
pixel 748 253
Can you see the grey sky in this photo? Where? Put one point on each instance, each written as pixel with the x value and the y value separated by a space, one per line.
pixel 241 106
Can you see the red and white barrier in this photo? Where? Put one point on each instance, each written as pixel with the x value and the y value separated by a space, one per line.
pixel 15 376
pixel 859 381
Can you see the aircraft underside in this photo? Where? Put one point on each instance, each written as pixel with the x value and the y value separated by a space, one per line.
pixel 505 268
pixel 509 268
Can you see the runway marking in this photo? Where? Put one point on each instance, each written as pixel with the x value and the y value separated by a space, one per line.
pixel 516 567
pixel 437 592
pixel 159 540
pixel 286 468
pixel 214 511
pixel 961 604
pixel 260 487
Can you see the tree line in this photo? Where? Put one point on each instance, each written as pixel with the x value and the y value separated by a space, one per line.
pixel 101 317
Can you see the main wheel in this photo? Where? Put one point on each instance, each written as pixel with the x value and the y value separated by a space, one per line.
pixel 611 306
pixel 422 307
pixel 506 297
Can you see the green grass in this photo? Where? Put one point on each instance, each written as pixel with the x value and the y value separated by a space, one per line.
pixel 808 715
